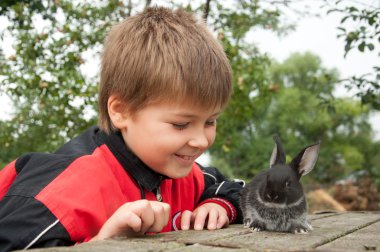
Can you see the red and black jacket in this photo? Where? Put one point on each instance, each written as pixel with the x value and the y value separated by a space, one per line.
pixel 64 198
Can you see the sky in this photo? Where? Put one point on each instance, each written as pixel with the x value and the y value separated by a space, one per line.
pixel 318 35
pixel 314 34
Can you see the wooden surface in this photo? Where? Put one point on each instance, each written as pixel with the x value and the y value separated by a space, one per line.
pixel 351 231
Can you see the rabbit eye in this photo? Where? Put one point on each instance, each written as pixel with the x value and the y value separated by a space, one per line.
pixel 287 183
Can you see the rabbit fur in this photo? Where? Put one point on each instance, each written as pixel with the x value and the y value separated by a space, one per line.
pixel 274 200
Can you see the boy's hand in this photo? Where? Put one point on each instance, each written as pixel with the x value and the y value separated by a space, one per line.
pixel 215 215
pixel 135 218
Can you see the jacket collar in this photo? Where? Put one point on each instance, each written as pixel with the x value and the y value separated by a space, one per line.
pixel 144 176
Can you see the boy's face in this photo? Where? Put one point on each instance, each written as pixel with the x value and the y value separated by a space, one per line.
pixel 169 137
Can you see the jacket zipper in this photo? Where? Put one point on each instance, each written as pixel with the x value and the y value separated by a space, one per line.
pixel 158 191
pixel 158 194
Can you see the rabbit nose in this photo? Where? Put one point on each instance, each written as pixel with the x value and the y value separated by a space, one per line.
pixel 272 197
pixel 269 197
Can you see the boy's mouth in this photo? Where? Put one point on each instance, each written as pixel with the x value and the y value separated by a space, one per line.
pixel 186 157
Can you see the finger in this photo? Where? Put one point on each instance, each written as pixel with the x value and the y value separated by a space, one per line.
pixel 133 223
pixel 200 218
pixel 212 219
pixel 146 214
pixel 223 221
pixel 121 223
pixel 166 212
pixel 186 220
pixel 159 217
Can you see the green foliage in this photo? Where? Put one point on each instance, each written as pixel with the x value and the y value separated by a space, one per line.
pixel 293 108
pixel 360 29
pixel 44 79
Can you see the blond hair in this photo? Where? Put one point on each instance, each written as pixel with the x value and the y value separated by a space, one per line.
pixel 162 55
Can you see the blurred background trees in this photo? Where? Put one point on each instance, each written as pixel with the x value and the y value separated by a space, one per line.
pixel 365 35
pixel 52 76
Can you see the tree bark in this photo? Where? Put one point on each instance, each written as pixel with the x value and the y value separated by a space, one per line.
pixel 206 10
pixel 148 2
pixel 129 7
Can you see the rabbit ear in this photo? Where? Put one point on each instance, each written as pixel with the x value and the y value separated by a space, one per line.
pixel 305 161
pixel 278 153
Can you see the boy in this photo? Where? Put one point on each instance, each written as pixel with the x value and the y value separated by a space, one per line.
pixel 164 82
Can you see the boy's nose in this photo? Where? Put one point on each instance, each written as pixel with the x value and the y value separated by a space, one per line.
pixel 199 140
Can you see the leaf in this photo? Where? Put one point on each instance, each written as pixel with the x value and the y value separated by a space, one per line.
pixel 370 46
pixel 344 19
pixel 332 10
pixel 372 20
pixel 342 29
pixel 361 46
pixel 352 9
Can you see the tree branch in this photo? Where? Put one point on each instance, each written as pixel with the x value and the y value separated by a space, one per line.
pixel 148 2
pixel 129 7
pixel 206 10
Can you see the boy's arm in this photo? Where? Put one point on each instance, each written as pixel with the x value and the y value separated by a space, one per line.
pixel 24 221
pixel 222 191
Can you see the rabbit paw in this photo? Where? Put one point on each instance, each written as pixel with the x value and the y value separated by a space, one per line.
pixel 302 227
pixel 300 230
pixel 247 223
pixel 257 227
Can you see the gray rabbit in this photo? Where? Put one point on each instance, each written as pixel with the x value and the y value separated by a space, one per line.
pixel 274 200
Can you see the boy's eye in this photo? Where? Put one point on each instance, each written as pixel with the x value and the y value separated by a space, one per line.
pixel 211 123
pixel 180 126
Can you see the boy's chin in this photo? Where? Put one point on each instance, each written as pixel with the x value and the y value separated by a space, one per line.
pixel 179 174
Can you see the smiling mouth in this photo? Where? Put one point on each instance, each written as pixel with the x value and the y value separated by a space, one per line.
pixel 185 157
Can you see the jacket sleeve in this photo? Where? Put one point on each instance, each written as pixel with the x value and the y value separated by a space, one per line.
pixel 24 221
pixel 7 176
pixel 225 192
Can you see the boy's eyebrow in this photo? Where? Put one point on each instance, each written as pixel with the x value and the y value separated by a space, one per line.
pixel 193 115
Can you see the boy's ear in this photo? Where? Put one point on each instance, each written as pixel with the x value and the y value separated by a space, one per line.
pixel 117 111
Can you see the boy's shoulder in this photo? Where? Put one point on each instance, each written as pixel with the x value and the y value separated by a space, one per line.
pixel 36 169
pixel 82 145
